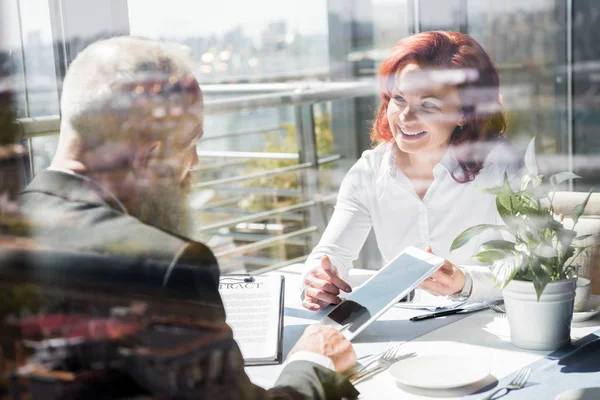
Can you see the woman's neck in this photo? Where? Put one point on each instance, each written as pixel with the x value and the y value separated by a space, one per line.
pixel 419 165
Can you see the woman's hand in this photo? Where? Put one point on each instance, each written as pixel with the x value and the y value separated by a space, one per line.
pixel 447 280
pixel 323 285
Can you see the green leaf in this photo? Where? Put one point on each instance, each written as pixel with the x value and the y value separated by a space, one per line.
pixel 579 209
pixel 503 211
pixel 528 211
pixel 570 252
pixel 506 184
pixel 580 250
pixel 503 189
pixel 525 181
pixel 504 270
pixel 541 278
pixel 575 251
pixel 494 190
pixel 498 244
pixel 565 237
pixel 490 256
pixel 525 274
pixel 560 177
pixel 530 200
pixel 471 232
pixel 532 239
pixel 506 202
pixel 530 161
pixel 583 237
pixel 508 215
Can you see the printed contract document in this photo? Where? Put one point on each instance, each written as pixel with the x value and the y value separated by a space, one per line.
pixel 254 307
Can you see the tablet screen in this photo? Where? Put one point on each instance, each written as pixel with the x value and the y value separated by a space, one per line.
pixel 390 284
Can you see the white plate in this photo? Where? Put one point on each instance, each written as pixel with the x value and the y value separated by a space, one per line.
pixel 592 309
pixel 439 372
pixel 590 393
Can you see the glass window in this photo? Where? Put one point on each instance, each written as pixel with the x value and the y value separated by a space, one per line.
pixel 29 38
pixel 527 40
pixel 441 15
pixel 236 41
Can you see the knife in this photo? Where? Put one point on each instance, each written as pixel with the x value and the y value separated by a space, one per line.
pixel 368 374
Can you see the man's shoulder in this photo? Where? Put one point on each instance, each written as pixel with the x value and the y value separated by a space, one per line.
pixel 96 228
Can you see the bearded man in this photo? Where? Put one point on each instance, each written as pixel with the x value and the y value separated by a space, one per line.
pixel 131 115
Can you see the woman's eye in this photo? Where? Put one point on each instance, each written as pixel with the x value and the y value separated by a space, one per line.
pixel 430 106
pixel 399 99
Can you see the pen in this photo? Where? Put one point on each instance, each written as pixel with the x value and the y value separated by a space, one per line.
pixel 437 314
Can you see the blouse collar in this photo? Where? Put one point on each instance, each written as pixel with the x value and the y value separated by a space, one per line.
pixel 449 162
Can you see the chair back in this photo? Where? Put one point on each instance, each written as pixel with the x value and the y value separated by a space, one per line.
pixel 588 224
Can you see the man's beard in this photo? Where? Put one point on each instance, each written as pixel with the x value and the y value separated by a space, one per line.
pixel 165 206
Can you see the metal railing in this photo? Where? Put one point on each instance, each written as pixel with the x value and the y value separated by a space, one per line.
pixel 250 97
pixel 307 208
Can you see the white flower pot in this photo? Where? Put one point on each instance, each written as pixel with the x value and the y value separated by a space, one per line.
pixel 543 324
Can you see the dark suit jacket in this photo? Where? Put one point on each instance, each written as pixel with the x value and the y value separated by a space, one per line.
pixel 72 214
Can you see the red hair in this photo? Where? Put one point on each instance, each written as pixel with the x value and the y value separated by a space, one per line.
pixel 480 97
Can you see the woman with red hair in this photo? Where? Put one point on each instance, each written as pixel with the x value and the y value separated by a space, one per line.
pixel 439 133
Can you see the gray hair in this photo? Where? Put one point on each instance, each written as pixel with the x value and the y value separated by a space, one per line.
pixel 103 78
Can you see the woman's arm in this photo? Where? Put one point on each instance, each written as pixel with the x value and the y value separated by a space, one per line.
pixel 345 234
pixel 349 226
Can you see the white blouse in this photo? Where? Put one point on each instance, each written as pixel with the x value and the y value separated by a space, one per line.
pixel 375 194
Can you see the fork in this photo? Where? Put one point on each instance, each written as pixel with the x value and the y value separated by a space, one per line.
pixel 497 306
pixel 385 360
pixel 518 382
pixel 366 374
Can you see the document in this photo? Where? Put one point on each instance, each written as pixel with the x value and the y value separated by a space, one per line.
pixel 254 308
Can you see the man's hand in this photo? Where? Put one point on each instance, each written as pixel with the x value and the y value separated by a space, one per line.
pixel 323 285
pixel 447 280
pixel 329 342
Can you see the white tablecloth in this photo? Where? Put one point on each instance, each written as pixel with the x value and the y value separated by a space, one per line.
pixel 484 334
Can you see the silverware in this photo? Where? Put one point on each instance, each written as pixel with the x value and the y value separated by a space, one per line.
pixel 518 382
pixel 498 306
pixel 357 378
pixel 368 374
pixel 371 356
pixel 368 356
pixel 386 358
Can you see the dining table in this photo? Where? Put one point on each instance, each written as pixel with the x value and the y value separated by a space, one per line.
pixel 482 336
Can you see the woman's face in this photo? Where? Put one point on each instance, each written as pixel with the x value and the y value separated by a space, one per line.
pixel 423 111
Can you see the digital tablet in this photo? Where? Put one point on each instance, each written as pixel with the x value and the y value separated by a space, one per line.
pixel 390 284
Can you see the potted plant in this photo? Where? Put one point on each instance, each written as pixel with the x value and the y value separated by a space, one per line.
pixel 534 266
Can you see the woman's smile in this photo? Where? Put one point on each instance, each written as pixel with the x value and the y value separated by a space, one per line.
pixel 411 134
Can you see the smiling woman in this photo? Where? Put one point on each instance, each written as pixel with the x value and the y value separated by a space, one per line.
pixel 439 129
pixel 452 88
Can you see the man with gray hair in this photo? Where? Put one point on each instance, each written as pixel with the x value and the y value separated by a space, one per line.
pixel 132 113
